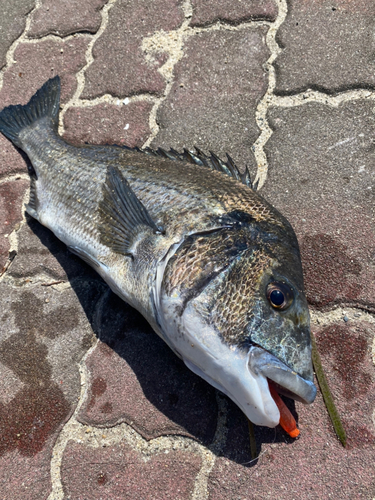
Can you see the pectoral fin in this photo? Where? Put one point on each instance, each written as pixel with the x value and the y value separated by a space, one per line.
pixel 123 215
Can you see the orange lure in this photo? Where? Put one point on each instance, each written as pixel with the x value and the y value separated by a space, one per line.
pixel 287 420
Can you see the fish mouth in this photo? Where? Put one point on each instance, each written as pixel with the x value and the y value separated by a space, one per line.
pixel 287 381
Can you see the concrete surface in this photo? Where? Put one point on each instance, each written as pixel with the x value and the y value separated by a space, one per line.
pixel 93 405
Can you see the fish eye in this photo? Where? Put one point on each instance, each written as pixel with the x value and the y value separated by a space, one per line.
pixel 280 295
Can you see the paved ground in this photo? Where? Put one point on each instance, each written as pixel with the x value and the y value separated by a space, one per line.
pixel 289 89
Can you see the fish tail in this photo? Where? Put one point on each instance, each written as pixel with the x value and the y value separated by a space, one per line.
pixel 45 103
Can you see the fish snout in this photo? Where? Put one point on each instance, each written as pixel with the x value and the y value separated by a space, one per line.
pixel 288 382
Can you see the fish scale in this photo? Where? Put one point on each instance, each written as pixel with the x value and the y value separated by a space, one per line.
pixel 183 238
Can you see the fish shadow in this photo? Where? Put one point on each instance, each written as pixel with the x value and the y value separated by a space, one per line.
pixel 183 398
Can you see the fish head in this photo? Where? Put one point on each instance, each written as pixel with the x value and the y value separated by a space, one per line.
pixel 232 305
pixel 279 319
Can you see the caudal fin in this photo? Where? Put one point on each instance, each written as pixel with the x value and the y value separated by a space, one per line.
pixel 44 103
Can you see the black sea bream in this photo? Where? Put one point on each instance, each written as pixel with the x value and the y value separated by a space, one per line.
pixel 183 238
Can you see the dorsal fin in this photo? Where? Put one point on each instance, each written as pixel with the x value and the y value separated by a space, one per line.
pixel 122 214
pixel 199 158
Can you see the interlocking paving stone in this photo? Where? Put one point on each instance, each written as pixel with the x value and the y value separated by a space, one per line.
pixel 108 124
pixel 327 45
pixel 12 24
pixel 232 11
pixel 10 384
pixel 64 17
pixel 26 478
pixel 11 194
pixel 322 178
pixel 315 465
pixel 42 258
pixel 350 372
pixel 44 335
pixel 118 472
pixel 137 379
pixel 36 63
pixel 213 99
pixel 119 66
pixel 11 162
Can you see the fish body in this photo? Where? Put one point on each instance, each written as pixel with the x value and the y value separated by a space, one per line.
pixel 184 239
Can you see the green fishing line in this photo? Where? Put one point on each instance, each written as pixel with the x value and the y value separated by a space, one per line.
pixel 327 395
pixel 253 443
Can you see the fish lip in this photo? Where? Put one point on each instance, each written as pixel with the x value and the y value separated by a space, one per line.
pixel 287 381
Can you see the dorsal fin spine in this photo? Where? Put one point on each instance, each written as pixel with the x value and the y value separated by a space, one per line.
pixel 212 162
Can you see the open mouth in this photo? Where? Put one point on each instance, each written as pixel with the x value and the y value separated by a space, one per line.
pixel 286 381
pixel 281 380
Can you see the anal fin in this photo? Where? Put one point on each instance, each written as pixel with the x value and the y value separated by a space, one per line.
pixel 32 206
pixel 85 256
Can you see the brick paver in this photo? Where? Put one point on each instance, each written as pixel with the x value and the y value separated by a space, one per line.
pixel 66 17
pixel 327 45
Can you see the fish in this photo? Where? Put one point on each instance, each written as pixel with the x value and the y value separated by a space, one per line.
pixel 186 239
